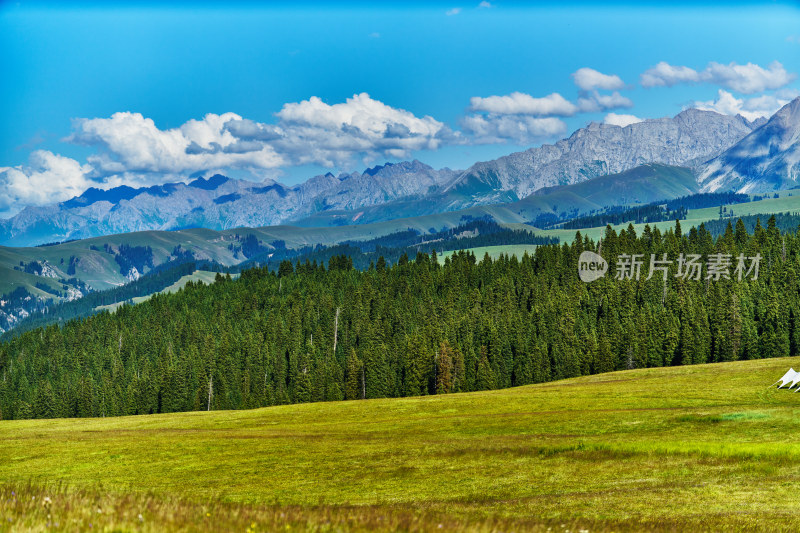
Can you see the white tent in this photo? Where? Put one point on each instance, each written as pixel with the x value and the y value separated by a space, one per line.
pixel 789 376
pixel 795 380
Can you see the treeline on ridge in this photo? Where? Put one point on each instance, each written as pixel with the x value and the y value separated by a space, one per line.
pixel 471 234
pixel 660 211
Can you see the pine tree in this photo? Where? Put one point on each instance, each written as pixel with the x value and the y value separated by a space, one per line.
pixel 45 404
pixel 444 368
pixel 353 374
pixel 484 379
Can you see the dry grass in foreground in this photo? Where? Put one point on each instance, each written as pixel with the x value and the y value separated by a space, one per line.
pixel 30 508
pixel 701 448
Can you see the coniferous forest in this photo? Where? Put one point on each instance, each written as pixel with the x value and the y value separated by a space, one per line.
pixel 313 332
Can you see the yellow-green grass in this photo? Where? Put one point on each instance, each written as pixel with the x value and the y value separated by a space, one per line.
pixel 495 251
pixel 700 447
pixel 198 275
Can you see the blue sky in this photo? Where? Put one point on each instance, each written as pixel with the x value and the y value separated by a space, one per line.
pixel 80 84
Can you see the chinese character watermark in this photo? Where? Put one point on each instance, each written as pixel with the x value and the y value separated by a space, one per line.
pixel 592 266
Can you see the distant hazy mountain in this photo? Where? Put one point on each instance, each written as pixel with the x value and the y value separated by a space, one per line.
pixel 385 192
pixel 217 203
pixel 767 159
pixel 688 139
pixel 640 185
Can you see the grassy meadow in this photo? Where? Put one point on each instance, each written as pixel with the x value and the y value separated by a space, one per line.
pixel 708 447
pixel 494 251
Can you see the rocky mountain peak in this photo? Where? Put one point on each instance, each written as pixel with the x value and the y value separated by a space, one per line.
pixel 688 139
pixel 765 160
pixel 210 184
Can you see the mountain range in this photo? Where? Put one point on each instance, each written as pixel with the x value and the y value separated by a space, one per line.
pixel 215 203
pixel 688 139
pixel 725 152
pixel 765 160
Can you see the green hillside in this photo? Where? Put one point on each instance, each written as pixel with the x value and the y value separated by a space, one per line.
pixel 97 267
pixel 643 184
pixel 699 448
pixel 243 248
pixel 203 276
pixel 495 251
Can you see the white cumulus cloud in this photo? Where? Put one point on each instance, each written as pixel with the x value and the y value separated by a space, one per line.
pixel 589 78
pixel 454 11
pixel 747 79
pixel 360 111
pixel 312 131
pixel 666 75
pixel 592 101
pixel 130 142
pixel 750 108
pixel 520 129
pixel 306 132
pixel 47 178
pixel 621 120
pixel 518 103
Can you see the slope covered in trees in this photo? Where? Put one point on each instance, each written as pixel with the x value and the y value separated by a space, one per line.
pixel 310 333
pixel 155 280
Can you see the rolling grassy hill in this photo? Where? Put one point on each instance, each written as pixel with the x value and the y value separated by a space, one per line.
pixel 643 184
pixel 198 275
pixel 495 251
pixel 707 447
pixel 213 251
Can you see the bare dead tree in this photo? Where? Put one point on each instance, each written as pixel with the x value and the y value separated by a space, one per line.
pixel 210 389
pixel 336 330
